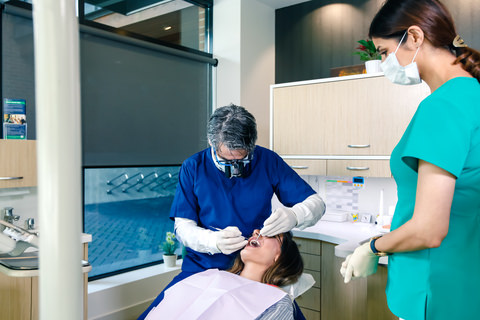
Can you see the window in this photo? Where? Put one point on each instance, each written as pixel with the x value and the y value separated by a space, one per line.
pixel 126 210
pixel 182 24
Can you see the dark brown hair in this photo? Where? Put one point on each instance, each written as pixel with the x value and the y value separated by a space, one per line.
pixel 286 270
pixel 396 16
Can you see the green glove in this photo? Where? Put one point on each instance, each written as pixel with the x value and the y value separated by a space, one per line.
pixel 362 263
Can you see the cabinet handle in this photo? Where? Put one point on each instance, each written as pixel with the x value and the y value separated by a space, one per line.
pixel 358 168
pixel 359 146
pixel 299 167
pixel 11 178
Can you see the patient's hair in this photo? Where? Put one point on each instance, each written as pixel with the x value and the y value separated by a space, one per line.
pixel 286 270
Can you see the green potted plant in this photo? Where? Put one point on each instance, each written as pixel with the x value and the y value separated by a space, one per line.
pixel 369 53
pixel 168 247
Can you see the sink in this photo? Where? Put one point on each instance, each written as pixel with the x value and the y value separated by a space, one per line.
pixel 25 261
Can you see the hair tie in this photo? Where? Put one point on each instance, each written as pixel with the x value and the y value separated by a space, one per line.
pixel 458 42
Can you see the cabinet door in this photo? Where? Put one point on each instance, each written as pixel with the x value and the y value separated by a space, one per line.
pixel 18 163
pixel 340 300
pixel 15 298
pixel 364 116
pixel 299 120
pixel 360 299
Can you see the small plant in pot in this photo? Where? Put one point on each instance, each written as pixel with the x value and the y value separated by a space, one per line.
pixel 168 247
pixel 369 53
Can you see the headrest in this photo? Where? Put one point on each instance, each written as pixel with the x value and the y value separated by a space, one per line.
pixel 298 288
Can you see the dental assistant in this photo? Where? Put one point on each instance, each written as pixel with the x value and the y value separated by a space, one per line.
pixel 434 246
pixel 225 192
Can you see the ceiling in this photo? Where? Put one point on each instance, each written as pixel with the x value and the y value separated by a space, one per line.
pixel 276 4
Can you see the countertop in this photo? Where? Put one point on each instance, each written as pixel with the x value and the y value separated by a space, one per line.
pixel 85 238
pixel 348 235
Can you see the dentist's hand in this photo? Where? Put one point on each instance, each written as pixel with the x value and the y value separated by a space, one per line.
pixel 280 221
pixel 362 263
pixel 230 240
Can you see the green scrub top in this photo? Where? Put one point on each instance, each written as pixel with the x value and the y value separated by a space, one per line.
pixel 444 282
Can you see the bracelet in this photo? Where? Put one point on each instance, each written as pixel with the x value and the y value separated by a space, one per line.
pixel 374 250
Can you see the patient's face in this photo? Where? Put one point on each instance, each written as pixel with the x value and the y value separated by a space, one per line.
pixel 266 254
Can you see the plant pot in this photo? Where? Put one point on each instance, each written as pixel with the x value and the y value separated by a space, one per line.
pixel 170 260
pixel 373 66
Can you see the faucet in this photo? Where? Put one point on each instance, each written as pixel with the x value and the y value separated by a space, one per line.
pixel 9 216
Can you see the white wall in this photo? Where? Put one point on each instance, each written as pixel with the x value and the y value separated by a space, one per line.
pixel 226 48
pixel 244 44
pixel 258 63
pixel 23 201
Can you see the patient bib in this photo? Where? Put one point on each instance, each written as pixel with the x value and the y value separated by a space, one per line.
pixel 215 294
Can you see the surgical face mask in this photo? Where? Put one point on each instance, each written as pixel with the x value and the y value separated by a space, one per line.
pixel 231 168
pixel 405 75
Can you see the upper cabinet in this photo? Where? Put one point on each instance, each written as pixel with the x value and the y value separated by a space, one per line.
pixel 349 118
pixel 18 162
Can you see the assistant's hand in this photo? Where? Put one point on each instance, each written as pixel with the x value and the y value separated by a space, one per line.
pixel 280 221
pixel 362 263
pixel 230 240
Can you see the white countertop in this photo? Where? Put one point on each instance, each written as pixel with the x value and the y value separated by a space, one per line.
pixel 347 235
pixel 85 238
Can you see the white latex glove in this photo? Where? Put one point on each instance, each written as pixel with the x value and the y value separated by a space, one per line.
pixel 280 221
pixel 230 240
pixel 362 263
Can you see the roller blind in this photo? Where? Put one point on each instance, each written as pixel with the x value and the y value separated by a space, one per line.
pixel 141 106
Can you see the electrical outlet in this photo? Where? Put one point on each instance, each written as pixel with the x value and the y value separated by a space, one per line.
pixel 366 218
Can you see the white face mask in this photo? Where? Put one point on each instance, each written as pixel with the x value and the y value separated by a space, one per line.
pixel 398 74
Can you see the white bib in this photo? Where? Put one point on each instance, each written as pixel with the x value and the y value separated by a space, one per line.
pixel 215 294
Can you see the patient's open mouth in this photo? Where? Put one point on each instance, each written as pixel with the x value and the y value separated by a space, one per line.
pixel 254 243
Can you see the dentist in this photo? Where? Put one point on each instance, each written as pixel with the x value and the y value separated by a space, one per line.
pixel 225 192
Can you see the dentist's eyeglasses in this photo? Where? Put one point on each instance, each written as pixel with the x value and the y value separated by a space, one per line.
pixel 234 162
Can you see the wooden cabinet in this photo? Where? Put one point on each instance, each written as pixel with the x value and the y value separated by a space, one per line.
pixel 18 163
pixel 338 118
pixel 361 299
pixel 309 302
pixel 354 167
pixel 330 298
pixel 308 167
pixel 16 298
pixel 350 167
pixel 19 295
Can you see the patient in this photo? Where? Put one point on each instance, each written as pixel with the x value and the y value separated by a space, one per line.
pixel 248 290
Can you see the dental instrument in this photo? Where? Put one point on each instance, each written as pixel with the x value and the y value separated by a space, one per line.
pixel 254 242
pixel 257 244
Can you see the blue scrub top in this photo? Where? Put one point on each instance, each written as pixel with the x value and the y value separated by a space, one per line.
pixel 440 283
pixel 206 196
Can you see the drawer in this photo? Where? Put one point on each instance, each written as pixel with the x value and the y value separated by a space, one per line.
pixel 315 275
pixel 310 314
pixel 309 246
pixel 364 168
pixel 311 262
pixel 308 167
pixel 310 299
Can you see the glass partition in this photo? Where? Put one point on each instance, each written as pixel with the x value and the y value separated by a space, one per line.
pixel 126 210
pixel 178 22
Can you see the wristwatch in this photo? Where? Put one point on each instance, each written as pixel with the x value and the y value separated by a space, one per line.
pixel 374 250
